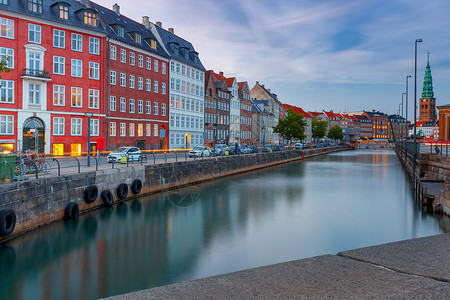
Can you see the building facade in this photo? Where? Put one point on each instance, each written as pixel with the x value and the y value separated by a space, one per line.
pixel 427 106
pixel 56 56
pixel 245 114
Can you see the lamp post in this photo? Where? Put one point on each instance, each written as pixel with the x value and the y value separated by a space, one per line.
pixel 89 115
pixel 415 104
pixel 403 131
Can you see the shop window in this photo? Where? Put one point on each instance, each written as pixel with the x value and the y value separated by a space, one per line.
pixel 75 149
pixel 58 149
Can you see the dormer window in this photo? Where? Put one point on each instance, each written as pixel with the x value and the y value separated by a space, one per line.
pixel 63 12
pixel 176 49
pixel 35 6
pixel 138 38
pixel 120 30
pixel 153 44
pixel 90 19
pixel 4 2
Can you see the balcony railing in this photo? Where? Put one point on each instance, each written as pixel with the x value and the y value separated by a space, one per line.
pixel 36 73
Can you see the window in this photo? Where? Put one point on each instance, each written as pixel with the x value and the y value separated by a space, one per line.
pixel 123 79
pixel 183 70
pixel 59 38
pixel 6 124
pixel 141 60
pixel 77 42
pixel 59 94
pixel 188 72
pixel 140 130
pixel 178 68
pixel 172 84
pixel 7 55
pixel 155 129
pixel 155 62
pixel 155 108
pixel 94 96
pixel 132 58
pixel 132 106
pixel 112 103
pixel 172 101
pixel 148 107
pixel 75 126
pixel 35 6
pixel 131 81
pixel 34 91
pixel 112 78
pixel 177 86
pixel 140 83
pixel 163 68
pixel 34 33
pixel 148 85
pixel 113 52
pixel 163 109
pixel 131 129
pixel 123 104
pixel 123 129
pixel 155 86
pixel 123 56
pixel 90 18
pixel 94 45
pixel 58 65
pixel 140 106
pixel 94 127
pixel 112 128
pixel 149 63
pixel 58 126
pixel 77 97
pixel 172 66
pixel 64 12
pixel 163 88
pixel 77 66
pixel 6 28
pixel 94 70
pixel 120 31
pixel 148 129
pixel 153 44
pixel 6 91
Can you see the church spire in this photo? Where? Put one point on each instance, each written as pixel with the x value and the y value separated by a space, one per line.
pixel 427 92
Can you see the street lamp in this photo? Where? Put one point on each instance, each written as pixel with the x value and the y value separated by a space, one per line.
pixel 403 131
pixel 89 115
pixel 415 104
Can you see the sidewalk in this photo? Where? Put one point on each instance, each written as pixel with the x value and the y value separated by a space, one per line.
pixel 412 269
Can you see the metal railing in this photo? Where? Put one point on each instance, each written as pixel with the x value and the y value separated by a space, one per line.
pixel 36 73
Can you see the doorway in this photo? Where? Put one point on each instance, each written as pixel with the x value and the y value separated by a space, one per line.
pixel 33 135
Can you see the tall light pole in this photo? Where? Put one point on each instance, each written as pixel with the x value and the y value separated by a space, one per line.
pixel 89 115
pixel 403 115
pixel 415 104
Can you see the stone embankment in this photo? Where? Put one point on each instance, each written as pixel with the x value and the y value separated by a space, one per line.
pixel 412 269
pixel 431 180
pixel 37 202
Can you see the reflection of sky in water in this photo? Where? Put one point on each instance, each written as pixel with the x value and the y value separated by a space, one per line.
pixel 320 206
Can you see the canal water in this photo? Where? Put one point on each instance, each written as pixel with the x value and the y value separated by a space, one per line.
pixel 324 205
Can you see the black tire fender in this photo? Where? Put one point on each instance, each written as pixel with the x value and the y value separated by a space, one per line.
pixel 90 193
pixel 107 198
pixel 122 191
pixel 72 210
pixel 136 186
pixel 7 221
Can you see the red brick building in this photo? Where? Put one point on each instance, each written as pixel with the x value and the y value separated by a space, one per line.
pixel 56 52
pixel 246 113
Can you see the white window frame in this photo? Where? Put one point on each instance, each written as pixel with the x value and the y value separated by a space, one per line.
pixel 59 94
pixel 112 129
pixel 76 92
pixel 34 33
pixel 132 58
pixel 149 63
pixel 58 126
pixel 113 77
pixel 59 63
pixel 6 28
pixel 148 85
pixel 76 68
pixel 6 91
pixel 132 106
pixel 132 129
pixel 94 70
pixel 59 38
pixel 155 108
pixel 155 65
pixel 140 83
pixel 113 52
pixel 155 86
pixel 131 81
pixel 77 42
pixel 123 56
pixel 163 109
pixel 94 127
pixel 140 106
pixel 163 88
pixel 6 125
pixel 94 45
pixel 141 60
pixel 123 79
pixel 148 129
pixel 7 53
pixel 123 129
pixel 112 103
pixel 148 107
pixel 163 68
pixel 34 93
pixel 94 98
pixel 123 104
pixel 76 128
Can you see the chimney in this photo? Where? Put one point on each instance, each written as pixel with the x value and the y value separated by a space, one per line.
pixel 262 85
pixel 221 73
pixel 257 82
pixel 116 9
pixel 146 22
pixel 171 30
pixel 159 24
pixel 268 90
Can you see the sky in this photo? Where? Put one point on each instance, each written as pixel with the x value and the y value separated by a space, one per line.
pixel 339 55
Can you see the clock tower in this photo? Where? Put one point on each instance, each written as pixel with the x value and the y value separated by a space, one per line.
pixel 427 104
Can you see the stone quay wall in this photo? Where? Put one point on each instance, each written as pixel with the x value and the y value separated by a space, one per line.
pixel 37 202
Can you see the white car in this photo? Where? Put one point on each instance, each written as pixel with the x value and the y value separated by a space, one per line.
pixel 200 151
pixel 132 153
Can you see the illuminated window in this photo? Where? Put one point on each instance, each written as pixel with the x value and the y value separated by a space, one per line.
pixel 64 12
pixel 7 28
pixel 35 6
pixel 58 149
pixel 90 18
pixel 75 149
pixel 153 44
pixel 140 131
pixel 131 129
pixel 112 129
pixel 148 129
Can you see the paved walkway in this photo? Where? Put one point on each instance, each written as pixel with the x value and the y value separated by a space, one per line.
pixel 412 269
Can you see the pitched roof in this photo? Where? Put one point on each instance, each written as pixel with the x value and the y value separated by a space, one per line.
pixel 298 110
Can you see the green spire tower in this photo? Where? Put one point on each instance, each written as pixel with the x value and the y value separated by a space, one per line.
pixel 427 102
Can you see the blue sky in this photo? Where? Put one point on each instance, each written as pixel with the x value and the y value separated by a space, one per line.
pixel 342 55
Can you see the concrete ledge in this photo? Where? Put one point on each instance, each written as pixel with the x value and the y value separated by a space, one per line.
pixel 344 276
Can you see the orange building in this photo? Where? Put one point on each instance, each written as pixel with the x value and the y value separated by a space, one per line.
pixel 444 122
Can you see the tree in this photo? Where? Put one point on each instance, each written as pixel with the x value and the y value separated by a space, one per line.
pixel 292 126
pixel 335 133
pixel 319 128
pixel 4 66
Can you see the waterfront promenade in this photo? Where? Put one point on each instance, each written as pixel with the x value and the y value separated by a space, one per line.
pixel 411 269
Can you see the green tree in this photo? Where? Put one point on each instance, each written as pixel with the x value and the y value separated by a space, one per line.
pixel 292 126
pixel 336 133
pixel 319 128
pixel 4 66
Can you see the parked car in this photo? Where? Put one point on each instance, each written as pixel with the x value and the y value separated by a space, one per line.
pixel 245 150
pixel 132 154
pixel 219 149
pixel 200 151
pixel 253 149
